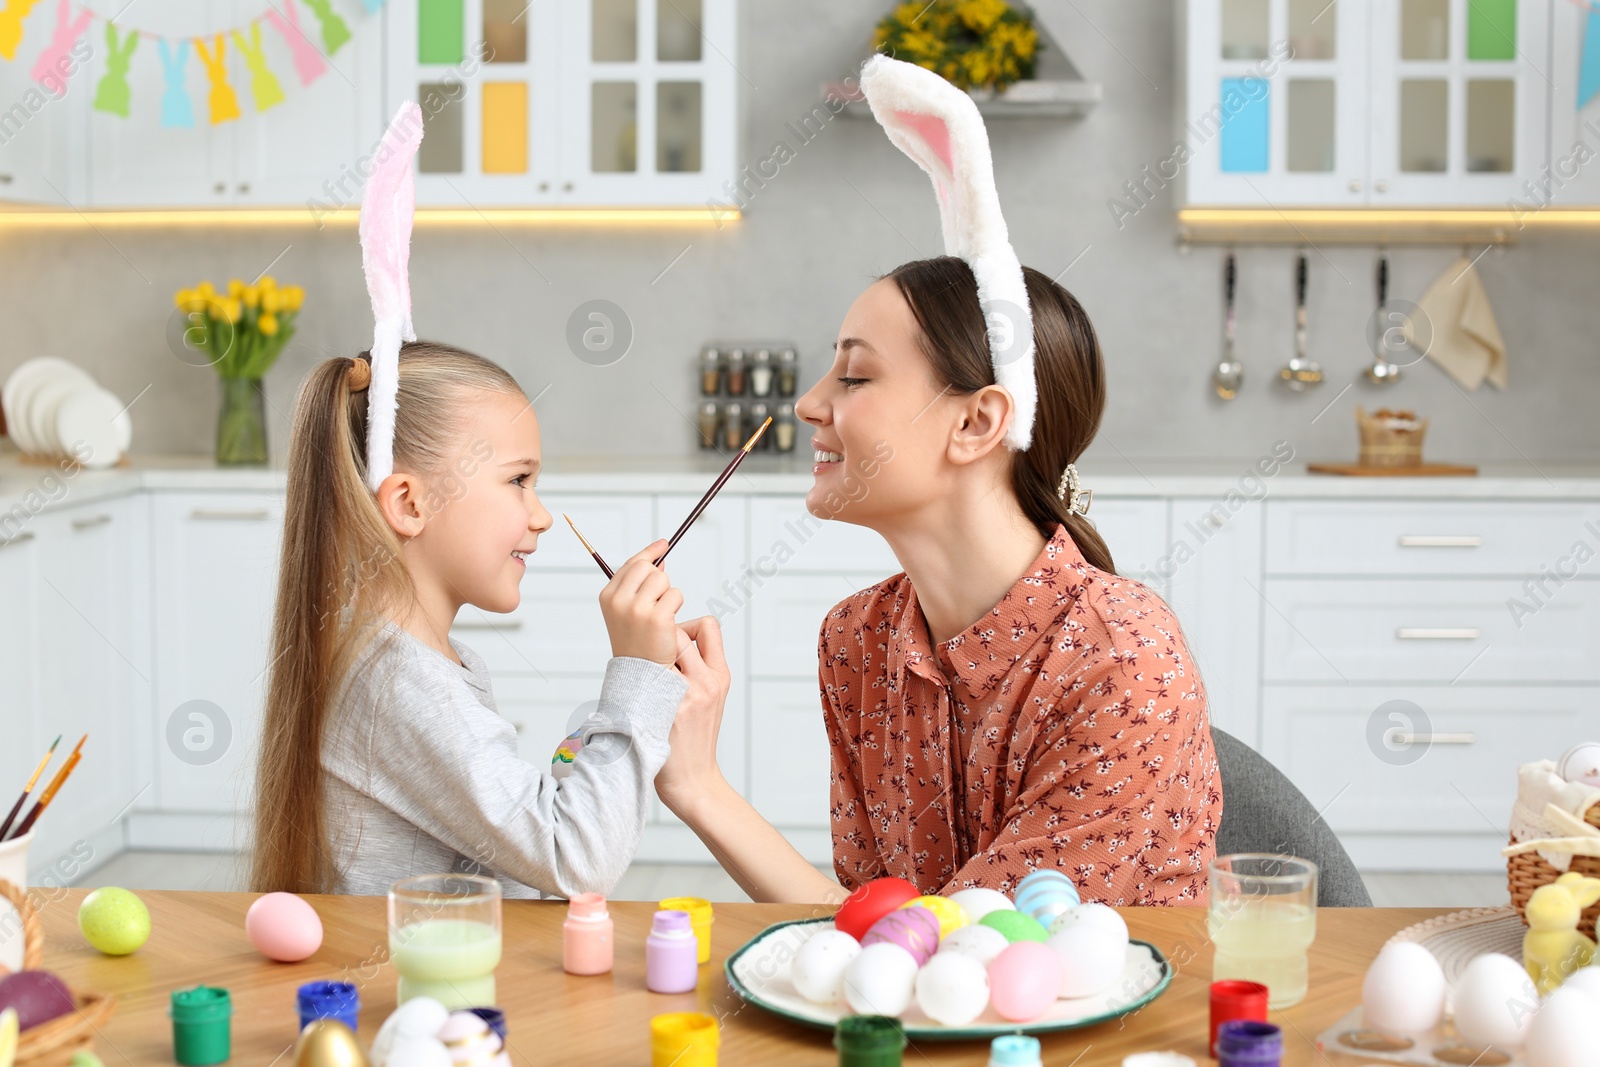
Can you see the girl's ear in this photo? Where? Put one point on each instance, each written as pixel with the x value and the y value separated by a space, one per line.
pixel 399 498
pixel 984 417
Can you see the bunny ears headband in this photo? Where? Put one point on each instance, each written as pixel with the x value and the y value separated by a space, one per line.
pixel 939 127
pixel 387 206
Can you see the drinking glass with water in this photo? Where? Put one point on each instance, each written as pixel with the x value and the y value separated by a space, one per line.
pixel 444 938
pixel 1262 920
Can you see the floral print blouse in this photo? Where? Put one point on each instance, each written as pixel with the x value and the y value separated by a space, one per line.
pixel 1065 729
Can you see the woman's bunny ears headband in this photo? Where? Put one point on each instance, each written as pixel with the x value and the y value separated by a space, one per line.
pixel 387 207
pixel 939 127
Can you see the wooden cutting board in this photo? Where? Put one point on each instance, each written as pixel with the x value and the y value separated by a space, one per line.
pixel 1423 470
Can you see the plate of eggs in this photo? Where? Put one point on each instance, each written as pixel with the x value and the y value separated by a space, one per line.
pixel 972 965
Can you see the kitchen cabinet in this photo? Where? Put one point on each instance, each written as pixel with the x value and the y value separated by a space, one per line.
pixel 595 102
pixel 41 134
pixel 1574 179
pixel 1396 103
pixel 19 654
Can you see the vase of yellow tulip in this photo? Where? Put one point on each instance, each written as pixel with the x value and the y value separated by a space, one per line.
pixel 240 333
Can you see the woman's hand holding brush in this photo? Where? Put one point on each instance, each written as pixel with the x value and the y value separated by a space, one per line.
pixel 641 608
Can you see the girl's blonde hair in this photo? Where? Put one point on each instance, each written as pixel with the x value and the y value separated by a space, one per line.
pixel 341 575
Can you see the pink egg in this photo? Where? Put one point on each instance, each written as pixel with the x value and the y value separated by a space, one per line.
pixel 1023 981
pixel 914 929
pixel 283 927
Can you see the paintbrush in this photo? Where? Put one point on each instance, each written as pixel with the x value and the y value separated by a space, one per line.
pixel 587 545
pixel 50 790
pixel 716 487
pixel 37 771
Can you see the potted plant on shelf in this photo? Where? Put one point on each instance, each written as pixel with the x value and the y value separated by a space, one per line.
pixel 240 333
pixel 974 44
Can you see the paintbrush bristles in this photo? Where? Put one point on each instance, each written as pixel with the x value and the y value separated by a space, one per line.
pixel 587 546
pixel 748 445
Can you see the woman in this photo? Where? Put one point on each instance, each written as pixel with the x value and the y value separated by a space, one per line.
pixel 1009 702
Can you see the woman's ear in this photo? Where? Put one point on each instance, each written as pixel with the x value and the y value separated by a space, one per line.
pixel 400 500
pixel 982 418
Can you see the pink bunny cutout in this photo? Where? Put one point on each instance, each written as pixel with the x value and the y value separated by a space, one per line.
pixel 51 68
pixel 387 207
pixel 939 127
pixel 307 60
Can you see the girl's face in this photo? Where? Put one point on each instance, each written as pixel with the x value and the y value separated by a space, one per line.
pixel 882 422
pixel 482 514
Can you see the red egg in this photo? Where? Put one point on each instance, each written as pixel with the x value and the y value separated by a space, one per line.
pixel 872 902
pixel 914 929
pixel 38 996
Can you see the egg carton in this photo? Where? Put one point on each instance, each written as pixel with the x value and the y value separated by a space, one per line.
pixel 1443 1046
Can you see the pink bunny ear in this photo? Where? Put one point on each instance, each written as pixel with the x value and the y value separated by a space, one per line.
pixel 387 207
pixel 939 128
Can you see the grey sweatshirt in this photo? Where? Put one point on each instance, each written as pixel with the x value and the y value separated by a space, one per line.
pixel 423 777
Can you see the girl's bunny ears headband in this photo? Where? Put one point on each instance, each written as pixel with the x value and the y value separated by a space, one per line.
pixel 386 210
pixel 939 127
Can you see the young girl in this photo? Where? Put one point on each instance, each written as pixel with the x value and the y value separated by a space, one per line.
pixel 382 754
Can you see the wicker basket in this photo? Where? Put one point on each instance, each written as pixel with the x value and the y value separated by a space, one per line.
pixel 1527 871
pixel 52 1044
pixel 1385 444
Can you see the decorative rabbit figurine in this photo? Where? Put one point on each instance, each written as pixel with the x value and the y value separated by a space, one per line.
pixel 1553 948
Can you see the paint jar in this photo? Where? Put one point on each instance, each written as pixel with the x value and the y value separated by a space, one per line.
pixel 869 1041
pixel 329 1000
pixel 684 1039
pixel 671 955
pixel 700 918
pixel 1015 1050
pixel 1248 1043
pixel 201 1025
pixel 587 945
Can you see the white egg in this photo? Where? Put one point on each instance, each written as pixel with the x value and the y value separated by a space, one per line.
pixel 1586 980
pixel 419 1052
pixel 817 969
pixel 1093 959
pixel 1095 914
pixel 1404 989
pixel 417 1017
pixel 880 980
pixel 952 988
pixel 469 1038
pixel 1581 763
pixel 1495 1001
pixel 1565 1032
pixel 982 943
pixel 980 901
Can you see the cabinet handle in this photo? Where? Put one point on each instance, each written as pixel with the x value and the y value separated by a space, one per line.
pixel 486 624
pixel 1405 737
pixel 244 515
pixel 1437 633
pixel 244 187
pixel 567 186
pixel 17 540
pixel 5 178
pixel 85 524
pixel 1355 185
pixel 1380 186
pixel 222 187
pixel 1440 541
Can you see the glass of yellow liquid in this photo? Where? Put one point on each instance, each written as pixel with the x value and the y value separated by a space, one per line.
pixel 1262 919
pixel 444 938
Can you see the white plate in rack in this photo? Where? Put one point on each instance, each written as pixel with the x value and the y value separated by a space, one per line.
pixel 97 418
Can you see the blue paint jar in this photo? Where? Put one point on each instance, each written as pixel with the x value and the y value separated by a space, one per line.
pixel 329 1000
pixel 1248 1043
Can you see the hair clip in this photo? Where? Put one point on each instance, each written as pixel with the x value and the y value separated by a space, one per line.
pixel 1073 492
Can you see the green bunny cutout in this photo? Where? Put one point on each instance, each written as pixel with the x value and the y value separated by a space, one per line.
pixel 112 93
pixel 263 83
pixel 334 30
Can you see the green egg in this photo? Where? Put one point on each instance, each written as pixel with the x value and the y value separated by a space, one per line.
pixel 114 921
pixel 1016 926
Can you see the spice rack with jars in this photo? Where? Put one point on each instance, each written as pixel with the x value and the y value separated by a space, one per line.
pixel 741 386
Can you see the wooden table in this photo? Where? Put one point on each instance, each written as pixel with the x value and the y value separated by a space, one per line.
pixel 553 1018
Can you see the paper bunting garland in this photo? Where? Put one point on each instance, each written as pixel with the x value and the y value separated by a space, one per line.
pixel 63 54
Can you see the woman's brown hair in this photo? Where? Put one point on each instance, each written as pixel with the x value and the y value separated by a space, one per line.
pixel 340 576
pixel 943 295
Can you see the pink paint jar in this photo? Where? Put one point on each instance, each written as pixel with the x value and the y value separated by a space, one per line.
pixel 586 936
pixel 671 953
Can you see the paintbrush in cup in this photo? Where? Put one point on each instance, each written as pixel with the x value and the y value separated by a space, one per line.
pixel 50 790
pixel 37 771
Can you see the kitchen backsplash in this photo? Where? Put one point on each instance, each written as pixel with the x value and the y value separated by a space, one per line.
pixel 843 208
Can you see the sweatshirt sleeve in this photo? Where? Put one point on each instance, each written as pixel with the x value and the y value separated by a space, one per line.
pixel 430 751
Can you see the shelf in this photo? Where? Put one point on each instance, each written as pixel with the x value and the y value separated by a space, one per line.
pixel 1360 226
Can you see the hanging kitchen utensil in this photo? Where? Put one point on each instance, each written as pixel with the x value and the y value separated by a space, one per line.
pixel 1381 371
pixel 1229 372
pixel 1300 373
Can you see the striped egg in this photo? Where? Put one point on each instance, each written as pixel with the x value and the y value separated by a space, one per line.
pixel 1046 895
pixel 914 929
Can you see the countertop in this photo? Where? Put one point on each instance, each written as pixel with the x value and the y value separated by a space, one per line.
pixel 791 475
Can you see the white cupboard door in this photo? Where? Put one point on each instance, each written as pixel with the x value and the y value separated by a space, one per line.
pixel 41 131
pixel 91 674
pixel 1275 105
pixel 789 760
pixel 1460 94
pixel 19 657
pixel 137 160
pixel 314 148
pixel 1135 532
pixel 1574 120
pixel 216 568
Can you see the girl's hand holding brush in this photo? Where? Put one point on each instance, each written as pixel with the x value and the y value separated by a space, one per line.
pixel 641 608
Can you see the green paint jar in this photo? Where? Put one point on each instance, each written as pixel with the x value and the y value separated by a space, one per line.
pixel 201 1025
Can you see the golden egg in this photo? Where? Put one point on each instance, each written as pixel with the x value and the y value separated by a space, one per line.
pixel 328 1043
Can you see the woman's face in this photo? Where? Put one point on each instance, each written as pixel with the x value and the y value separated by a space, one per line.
pixel 483 513
pixel 881 421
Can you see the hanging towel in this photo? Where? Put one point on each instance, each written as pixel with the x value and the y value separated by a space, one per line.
pixel 1457 328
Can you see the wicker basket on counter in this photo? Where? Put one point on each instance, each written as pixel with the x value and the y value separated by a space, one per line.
pixel 1527 871
pixel 1390 438
pixel 51 1044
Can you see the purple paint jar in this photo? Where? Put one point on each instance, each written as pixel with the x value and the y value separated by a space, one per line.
pixel 671 954
pixel 1249 1043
